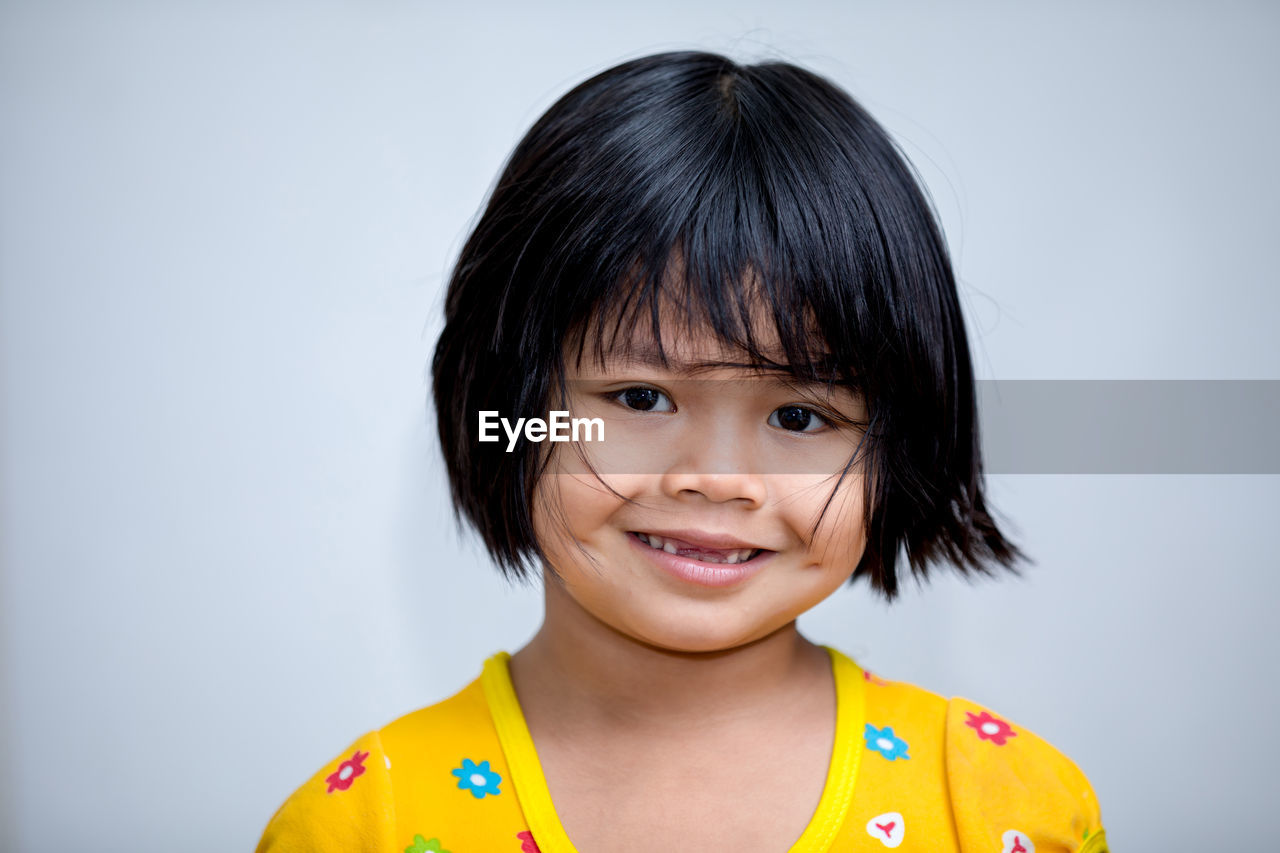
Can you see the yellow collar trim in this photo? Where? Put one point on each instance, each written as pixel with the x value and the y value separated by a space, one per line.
pixel 535 798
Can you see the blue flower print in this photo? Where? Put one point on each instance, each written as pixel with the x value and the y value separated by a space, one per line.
pixel 477 778
pixel 885 742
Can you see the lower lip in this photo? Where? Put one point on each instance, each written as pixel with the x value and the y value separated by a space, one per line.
pixel 698 572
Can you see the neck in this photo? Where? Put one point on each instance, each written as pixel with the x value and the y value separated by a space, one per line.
pixel 579 673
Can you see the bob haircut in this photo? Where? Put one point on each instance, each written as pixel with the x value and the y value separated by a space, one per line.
pixel 731 172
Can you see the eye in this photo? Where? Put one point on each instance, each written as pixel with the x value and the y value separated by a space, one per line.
pixel 644 400
pixel 797 419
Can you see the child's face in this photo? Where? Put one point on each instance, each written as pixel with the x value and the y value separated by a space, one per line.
pixel 730 467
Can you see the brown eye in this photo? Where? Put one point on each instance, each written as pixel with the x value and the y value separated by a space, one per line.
pixel 796 419
pixel 645 400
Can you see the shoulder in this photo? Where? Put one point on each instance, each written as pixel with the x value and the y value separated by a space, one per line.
pixel 360 799
pixel 905 721
pixel 461 717
pixel 1008 790
pixel 345 806
pixel 1012 790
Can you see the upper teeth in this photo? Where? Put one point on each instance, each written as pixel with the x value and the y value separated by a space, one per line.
pixel 706 555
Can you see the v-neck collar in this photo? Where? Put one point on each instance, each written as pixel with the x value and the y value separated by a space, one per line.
pixel 535 798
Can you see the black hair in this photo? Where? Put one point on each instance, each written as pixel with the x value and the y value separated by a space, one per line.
pixel 732 172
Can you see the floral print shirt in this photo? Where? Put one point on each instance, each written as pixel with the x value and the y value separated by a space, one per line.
pixel 910 770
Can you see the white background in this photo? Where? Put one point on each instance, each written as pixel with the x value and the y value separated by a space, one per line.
pixel 224 227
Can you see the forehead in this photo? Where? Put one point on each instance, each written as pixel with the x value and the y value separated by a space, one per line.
pixel 686 322
pixel 693 349
pixel 684 341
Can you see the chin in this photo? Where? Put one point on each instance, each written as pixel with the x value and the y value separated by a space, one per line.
pixel 697 636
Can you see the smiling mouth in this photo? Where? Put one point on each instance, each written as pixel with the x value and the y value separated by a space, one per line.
pixel 695 552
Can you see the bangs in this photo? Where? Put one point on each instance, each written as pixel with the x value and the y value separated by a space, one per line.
pixel 766 195
pixel 769 325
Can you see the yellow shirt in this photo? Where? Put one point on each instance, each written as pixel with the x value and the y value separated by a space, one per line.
pixel 909 770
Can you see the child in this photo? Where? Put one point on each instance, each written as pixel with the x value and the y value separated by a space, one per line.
pixel 730 271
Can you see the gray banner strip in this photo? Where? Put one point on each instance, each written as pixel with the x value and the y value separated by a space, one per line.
pixel 1215 426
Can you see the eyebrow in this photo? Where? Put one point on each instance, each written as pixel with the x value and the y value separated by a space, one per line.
pixel 648 355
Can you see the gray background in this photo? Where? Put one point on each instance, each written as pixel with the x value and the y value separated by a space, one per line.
pixel 223 232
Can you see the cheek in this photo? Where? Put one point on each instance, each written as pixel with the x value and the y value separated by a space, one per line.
pixel 575 511
pixel 838 542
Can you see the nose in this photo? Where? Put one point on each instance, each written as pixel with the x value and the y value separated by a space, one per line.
pixel 718 467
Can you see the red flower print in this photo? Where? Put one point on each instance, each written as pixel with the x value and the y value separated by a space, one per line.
pixel 867 676
pixel 990 728
pixel 528 845
pixel 341 779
